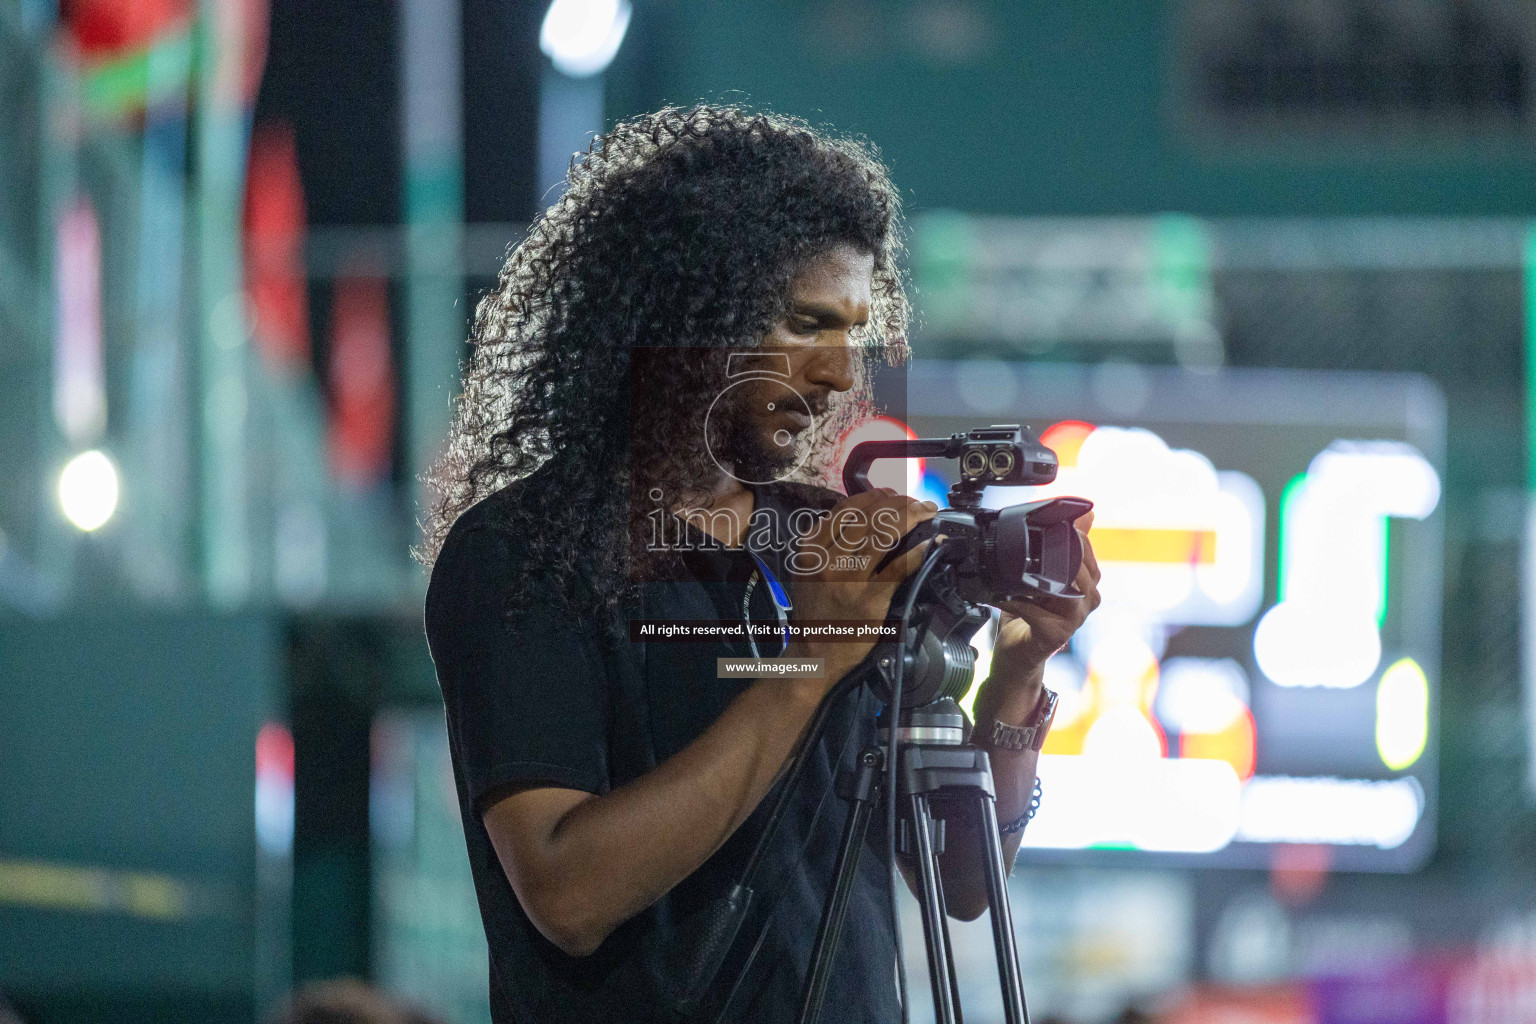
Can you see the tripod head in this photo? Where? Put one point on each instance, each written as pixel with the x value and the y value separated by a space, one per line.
pixel 941 723
pixel 938 661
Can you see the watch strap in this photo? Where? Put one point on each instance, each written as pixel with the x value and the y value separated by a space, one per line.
pixel 1030 735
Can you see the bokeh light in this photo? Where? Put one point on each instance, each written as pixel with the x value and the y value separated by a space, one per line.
pixel 88 490
pixel 1402 714
pixel 581 37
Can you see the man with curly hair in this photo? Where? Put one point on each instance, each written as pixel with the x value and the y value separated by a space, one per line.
pixel 604 468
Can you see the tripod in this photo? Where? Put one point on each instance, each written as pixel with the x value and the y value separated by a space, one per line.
pixel 932 761
pixel 927 759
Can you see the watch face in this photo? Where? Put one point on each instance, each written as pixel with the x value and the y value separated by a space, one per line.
pixel 1043 724
pixel 1052 698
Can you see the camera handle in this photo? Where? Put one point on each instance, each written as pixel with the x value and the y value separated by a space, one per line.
pixel 856 470
pixel 1004 454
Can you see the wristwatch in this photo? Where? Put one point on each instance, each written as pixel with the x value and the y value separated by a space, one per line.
pixel 1030 735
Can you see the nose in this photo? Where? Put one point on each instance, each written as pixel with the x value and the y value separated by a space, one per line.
pixel 831 366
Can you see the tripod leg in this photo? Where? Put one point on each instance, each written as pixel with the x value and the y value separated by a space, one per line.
pixel 935 932
pixel 1014 1010
pixel 834 910
pixel 949 958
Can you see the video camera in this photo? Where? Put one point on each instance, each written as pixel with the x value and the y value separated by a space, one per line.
pixel 987 556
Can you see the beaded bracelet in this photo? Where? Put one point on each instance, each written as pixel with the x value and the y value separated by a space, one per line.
pixel 1017 825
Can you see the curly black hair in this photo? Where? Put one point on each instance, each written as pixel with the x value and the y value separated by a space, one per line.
pixel 682 229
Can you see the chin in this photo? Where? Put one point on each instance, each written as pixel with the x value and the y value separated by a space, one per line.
pixel 763 465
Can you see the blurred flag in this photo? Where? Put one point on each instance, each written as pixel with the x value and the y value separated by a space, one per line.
pixel 79 373
pixel 362 381
pixel 128 51
pixel 106 29
pixel 274 248
pixel 117 42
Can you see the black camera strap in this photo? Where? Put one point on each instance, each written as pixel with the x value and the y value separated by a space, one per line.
pixel 766 918
pixel 687 969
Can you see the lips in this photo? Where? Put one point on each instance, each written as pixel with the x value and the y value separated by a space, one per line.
pixel 798 417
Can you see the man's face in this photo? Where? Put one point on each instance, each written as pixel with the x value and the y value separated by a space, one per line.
pixel 827 301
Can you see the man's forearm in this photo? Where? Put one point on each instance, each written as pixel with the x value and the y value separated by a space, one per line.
pixel 1013 771
pixel 962 866
pixel 610 857
pixel 1013 774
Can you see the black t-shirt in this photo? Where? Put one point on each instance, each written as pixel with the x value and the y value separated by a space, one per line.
pixel 543 697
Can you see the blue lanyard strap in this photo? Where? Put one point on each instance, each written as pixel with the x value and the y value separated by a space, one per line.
pixel 780 595
pixel 781 604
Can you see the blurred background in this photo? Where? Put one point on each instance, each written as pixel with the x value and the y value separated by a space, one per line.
pixel 1261 269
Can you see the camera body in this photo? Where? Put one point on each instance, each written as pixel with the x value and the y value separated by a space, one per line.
pixel 986 556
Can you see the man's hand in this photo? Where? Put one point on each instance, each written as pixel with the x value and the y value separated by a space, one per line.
pixel 835 575
pixel 1029 633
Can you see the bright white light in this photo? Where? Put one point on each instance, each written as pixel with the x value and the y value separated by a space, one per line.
pixel 1173 806
pixel 1125 668
pixel 1201 695
pixel 1402 714
pixel 88 490
pixel 1066 675
pixel 581 37
pixel 1391 476
pixel 1352 812
pixel 983 643
pixel 274 814
pixel 1333 568
pixel 1334 531
pixel 1302 644
pixel 1198 813
pixel 1123 735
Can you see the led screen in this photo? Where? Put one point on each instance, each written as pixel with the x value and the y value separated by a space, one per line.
pixel 1263 669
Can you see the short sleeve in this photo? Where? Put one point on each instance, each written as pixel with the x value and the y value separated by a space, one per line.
pixel 526 696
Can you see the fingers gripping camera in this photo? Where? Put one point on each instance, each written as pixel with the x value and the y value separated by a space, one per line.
pixel 1021 551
